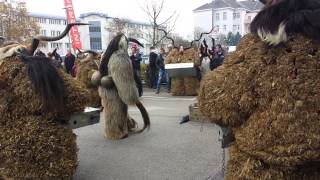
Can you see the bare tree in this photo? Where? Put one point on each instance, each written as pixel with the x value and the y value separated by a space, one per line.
pixel 154 9
pixel 16 25
pixel 197 33
pixel 117 25
pixel 179 40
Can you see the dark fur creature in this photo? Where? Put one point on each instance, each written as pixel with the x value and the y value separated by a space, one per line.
pixel 145 116
pixel 296 16
pixel 112 47
pixel 46 81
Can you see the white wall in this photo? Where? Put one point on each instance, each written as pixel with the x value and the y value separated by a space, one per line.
pixel 142 29
pixel 85 37
pixel 55 27
pixel 203 20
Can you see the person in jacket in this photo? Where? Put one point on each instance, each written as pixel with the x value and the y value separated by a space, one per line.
pixel 152 68
pixel 218 58
pixel 69 61
pixel 136 60
pixel 162 72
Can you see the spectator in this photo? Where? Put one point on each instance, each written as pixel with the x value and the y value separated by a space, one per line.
pixel 218 58
pixel 55 59
pixel 162 72
pixel 69 61
pixel 40 53
pixel 136 59
pixel 152 68
pixel 204 61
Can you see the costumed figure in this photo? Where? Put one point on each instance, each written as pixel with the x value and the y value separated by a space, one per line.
pixel 117 89
pixel 86 64
pixel 35 97
pixel 268 94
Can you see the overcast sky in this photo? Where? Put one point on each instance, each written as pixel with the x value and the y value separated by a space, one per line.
pixel 123 8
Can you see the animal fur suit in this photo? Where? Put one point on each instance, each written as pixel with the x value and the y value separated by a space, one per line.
pixel 32 144
pixel 116 99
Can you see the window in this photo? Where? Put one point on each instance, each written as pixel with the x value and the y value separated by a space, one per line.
pixel 54 45
pixel 217 16
pixel 54 21
pixel 68 45
pixel 218 28
pixel 224 28
pixel 234 27
pixel 236 15
pixel 95 43
pixel 249 18
pixel 238 27
pixel 43 32
pixel 94 29
pixel 224 15
pixel 53 33
pixel 43 45
pixel 41 20
pixel 58 33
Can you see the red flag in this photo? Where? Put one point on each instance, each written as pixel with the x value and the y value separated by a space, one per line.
pixel 74 32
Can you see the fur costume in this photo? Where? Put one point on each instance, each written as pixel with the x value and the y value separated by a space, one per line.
pixel 34 97
pixel 269 96
pixel 118 90
pixel 88 63
pixel 186 86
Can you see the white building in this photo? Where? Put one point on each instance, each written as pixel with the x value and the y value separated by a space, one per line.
pixel 226 16
pixel 95 36
pixel 52 26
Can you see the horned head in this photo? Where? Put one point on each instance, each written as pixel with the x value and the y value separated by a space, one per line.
pixel 118 43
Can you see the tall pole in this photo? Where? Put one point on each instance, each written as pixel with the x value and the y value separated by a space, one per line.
pixel 212 13
pixel 76 43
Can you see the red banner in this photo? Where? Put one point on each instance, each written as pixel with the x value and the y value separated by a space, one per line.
pixel 74 32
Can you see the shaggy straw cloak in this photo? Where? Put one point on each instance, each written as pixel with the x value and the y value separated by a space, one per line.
pixel 186 86
pixel 85 70
pixel 270 96
pixel 32 144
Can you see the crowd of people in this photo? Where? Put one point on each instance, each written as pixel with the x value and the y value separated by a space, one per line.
pixel 156 73
pixel 68 62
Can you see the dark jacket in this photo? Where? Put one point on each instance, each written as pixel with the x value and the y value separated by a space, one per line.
pixel 152 60
pixel 69 61
pixel 217 60
pixel 160 62
pixel 136 59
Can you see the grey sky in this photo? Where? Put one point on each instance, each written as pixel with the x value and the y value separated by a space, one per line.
pixel 123 8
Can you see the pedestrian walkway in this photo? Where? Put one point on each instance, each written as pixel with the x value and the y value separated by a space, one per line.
pixel 168 151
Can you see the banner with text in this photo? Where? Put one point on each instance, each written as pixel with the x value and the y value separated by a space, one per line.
pixel 74 32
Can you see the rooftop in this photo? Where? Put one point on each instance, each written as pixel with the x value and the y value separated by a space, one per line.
pixel 252 5
pixel 103 15
pixel 39 15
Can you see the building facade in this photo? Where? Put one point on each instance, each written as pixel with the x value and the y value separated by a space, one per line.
pixel 99 33
pixel 52 26
pixel 226 16
pixel 96 36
